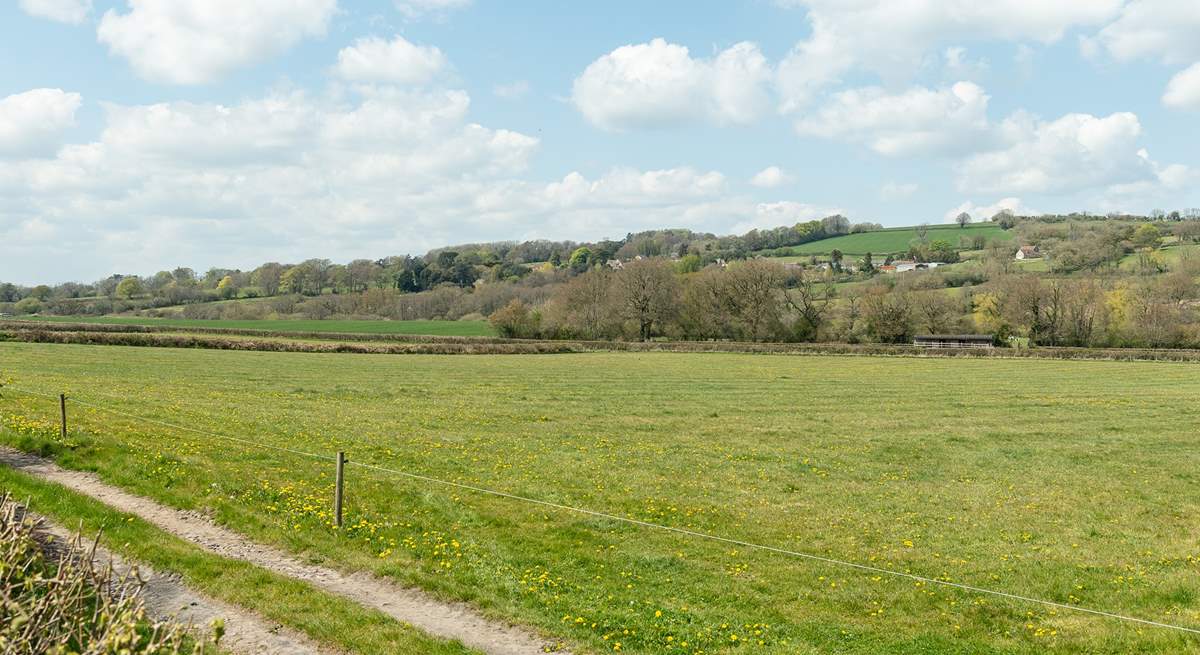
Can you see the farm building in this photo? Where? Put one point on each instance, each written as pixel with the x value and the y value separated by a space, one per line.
pixel 905 265
pixel 954 341
pixel 1028 252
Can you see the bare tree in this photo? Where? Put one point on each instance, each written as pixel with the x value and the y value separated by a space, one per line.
pixel 934 311
pixel 647 294
pixel 752 292
pixel 963 219
pixel 588 302
pixel 810 300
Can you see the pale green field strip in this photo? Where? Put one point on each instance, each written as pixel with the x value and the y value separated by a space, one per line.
pixel 436 328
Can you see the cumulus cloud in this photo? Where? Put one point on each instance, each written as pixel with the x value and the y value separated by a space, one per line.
pixel 398 61
pixel 1183 91
pixel 376 171
pixel 986 212
pixel 63 11
pixel 198 41
pixel 788 212
pixel 847 35
pixel 771 177
pixel 916 121
pixel 1073 153
pixel 1158 29
pixel 659 84
pixel 32 123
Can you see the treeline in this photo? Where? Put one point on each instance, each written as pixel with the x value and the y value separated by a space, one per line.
pixel 761 300
pixel 462 266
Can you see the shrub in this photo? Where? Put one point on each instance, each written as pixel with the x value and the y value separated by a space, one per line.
pixel 64 602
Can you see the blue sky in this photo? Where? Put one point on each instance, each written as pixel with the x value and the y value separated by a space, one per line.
pixel 140 135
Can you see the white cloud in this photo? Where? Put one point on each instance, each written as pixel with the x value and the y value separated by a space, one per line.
pixel 398 61
pixel 511 91
pixel 63 11
pixel 1162 29
pixel 631 187
pixel 198 41
pixel 897 190
pixel 775 214
pixel 892 38
pixel 771 177
pixel 659 84
pixel 980 213
pixel 916 121
pixel 32 123
pixel 418 8
pixel 959 65
pixel 1183 91
pixel 378 171
pixel 1073 153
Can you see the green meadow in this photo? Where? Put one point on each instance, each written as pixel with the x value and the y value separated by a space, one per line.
pixel 1069 481
pixel 896 240
pixel 421 327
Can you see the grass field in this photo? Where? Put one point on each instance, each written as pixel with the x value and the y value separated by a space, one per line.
pixel 437 328
pixel 896 240
pixel 1069 481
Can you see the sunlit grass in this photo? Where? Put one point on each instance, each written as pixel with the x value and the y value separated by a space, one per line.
pixel 1069 481
pixel 436 328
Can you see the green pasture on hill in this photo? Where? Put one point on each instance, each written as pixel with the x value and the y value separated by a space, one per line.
pixel 435 328
pixel 1070 481
pixel 896 240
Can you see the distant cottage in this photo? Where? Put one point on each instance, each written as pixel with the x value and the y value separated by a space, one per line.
pixel 1028 252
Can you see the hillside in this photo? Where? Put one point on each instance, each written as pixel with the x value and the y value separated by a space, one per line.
pixel 896 240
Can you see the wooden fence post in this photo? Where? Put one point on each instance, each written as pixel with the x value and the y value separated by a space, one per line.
pixel 337 491
pixel 62 411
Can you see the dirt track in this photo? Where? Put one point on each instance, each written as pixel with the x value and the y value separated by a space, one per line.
pixel 166 596
pixel 456 621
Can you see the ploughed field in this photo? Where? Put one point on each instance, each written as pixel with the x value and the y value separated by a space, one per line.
pixel 1071 481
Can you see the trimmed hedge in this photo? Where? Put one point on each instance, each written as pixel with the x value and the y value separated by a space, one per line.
pixel 158 337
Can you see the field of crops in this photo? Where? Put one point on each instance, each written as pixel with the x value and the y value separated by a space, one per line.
pixel 896 240
pixel 1068 481
pixel 436 328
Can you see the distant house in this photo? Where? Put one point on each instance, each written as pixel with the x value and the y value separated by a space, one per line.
pixel 1028 252
pixel 887 268
pixel 954 341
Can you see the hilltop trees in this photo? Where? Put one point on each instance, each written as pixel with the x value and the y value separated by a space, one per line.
pixel 129 287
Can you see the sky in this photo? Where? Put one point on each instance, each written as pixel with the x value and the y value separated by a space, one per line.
pixel 142 135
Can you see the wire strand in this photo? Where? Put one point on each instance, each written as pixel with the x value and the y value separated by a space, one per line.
pixel 173 425
pixel 657 526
